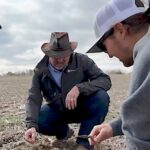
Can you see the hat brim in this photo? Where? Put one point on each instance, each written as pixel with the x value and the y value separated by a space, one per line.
pixel 95 48
pixel 58 54
pixel 46 48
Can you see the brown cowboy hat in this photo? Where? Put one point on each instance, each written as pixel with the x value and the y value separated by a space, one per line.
pixel 59 45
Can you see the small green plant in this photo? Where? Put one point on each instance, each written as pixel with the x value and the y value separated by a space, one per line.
pixel 13 120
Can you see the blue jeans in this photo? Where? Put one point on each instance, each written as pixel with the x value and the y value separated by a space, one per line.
pixel 90 111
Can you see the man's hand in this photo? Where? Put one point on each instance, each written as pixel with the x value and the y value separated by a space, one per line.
pixel 100 133
pixel 71 98
pixel 30 135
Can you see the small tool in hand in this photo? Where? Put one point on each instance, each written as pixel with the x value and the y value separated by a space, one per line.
pixel 85 137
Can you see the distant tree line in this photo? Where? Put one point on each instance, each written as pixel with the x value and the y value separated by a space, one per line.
pixel 21 73
pixel 30 72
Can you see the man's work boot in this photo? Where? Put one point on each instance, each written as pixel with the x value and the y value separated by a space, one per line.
pixel 57 142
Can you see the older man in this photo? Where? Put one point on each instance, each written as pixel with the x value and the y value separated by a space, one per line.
pixel 123 28
pixel 74 89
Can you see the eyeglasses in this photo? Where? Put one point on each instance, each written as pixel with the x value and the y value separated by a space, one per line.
pixel 103 38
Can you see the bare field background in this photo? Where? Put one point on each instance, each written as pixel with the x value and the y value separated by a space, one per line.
pixel 13 94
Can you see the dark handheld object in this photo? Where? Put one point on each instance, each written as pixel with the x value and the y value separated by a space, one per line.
pixel 0 27
pixel 85 137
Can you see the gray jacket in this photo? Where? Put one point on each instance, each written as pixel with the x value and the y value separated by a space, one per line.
pixel 81 71
pixel 135 113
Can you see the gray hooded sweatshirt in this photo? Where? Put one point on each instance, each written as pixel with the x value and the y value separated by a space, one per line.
pixel 134 121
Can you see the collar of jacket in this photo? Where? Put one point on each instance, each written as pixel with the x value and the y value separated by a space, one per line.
pixel 42 66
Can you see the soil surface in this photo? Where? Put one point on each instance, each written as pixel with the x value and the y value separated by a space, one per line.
pixel 13 94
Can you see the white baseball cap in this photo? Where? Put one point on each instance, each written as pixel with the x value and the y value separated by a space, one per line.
pixel 112 13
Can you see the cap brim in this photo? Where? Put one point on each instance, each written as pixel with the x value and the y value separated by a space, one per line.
pixel 95 48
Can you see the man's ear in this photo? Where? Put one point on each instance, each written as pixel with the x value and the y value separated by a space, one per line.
pixel 120 29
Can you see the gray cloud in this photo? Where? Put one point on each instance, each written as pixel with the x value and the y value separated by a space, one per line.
pixel 27 24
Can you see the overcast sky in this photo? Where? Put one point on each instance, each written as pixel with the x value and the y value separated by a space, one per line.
pixel 26 24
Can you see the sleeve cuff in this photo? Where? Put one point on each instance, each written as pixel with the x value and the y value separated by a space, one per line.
pixel 117 127
pixel 28 126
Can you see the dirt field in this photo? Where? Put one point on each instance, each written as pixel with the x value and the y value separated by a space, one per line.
pixel 13 94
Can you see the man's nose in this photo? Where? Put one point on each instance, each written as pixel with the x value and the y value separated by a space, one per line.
pixel 60 59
